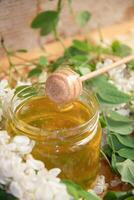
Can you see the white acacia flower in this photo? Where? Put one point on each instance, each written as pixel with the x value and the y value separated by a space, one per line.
pixel 25 177
pixel 9 164
pixel 101 185
pixel 122 77
pixel 21 83
pixel 34 164
pixel 22 144
pixel 123 111
pixel 6 100
pixel 51 191
pixel 43 77
pixel 15 189
pixel 5 95
pixel 3 87
pixel 4 137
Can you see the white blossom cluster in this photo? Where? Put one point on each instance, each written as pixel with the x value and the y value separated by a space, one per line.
pixel 120 76
pixel 101 185
pixel 6 95
pixel 25 177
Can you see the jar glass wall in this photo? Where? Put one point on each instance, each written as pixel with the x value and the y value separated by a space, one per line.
pixel 67 137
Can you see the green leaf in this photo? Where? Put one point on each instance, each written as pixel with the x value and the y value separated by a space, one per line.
pixel 72 189
pixel 43 61
pixel 117 117
pixel 22 50
pixel 99 82
pixel 119 127
pixel 88 47
pixel 53 66
pixel 79 59
pixel 92 66
pixel 20 88
pixel 46 21
pixel 102 121
pixel 84 70
pixel 35 72
pixel 107 150
pixel 125 140
pixel 80 64
pixel 131 64
pixel 81 45
pixel 130 198
pixel 43 18
pixel 72 51
pixel 113 141
pixel 110 195
pixel 114 96
pixel 25 91
pixel 83 18
pixel 6 196
pixel 77 192
pixel 103 102
pixel 113 162
pixel 127 153
pixel 107 92
pixel 126 170
pixel 89 195
pixel 45 31
pixel 120 49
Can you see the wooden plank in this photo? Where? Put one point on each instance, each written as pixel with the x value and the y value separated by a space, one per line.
pixel 16 17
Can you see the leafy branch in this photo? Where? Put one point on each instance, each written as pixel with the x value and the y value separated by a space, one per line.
pixel 11 65
pixel 34 68
pixel 47 21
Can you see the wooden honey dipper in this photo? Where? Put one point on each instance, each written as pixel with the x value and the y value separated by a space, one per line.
pixel 65 85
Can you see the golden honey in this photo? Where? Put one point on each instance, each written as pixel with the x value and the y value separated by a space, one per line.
pixel 67 137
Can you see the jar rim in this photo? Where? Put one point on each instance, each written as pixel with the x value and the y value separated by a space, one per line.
pixel 42 132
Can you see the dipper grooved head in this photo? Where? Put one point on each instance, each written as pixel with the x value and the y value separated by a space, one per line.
pixel 63 86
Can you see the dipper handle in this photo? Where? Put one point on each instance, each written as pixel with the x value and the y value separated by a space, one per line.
pixel 64 85
pixel 107 68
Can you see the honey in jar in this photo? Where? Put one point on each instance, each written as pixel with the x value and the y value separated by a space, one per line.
pixel 67 137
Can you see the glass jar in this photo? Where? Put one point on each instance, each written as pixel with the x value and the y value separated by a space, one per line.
pixel 75 149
